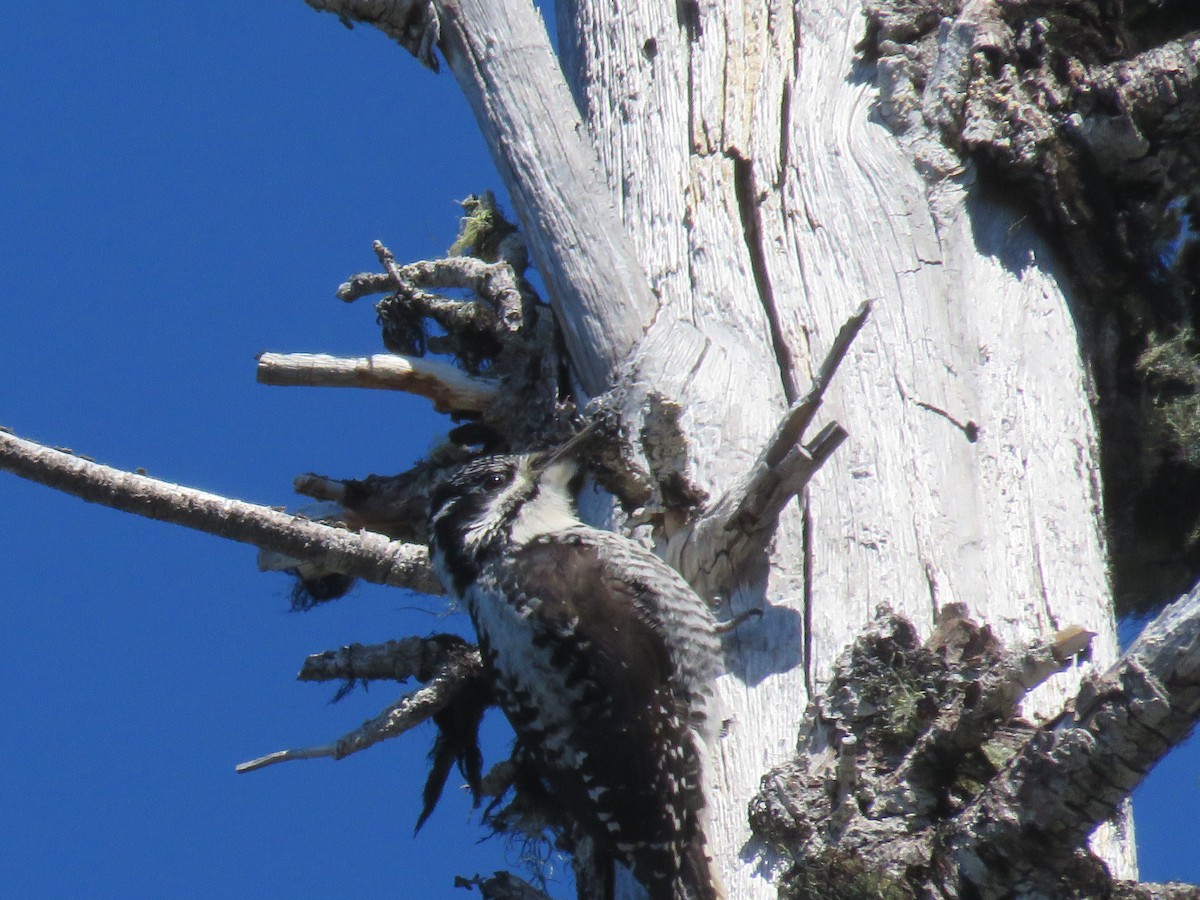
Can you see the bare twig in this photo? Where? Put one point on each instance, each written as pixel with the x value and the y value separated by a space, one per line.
pixel 493 282
pixel 497 284
pixel 388 261
pixel 453 315
pixel 407 712
pixel 320 487
pixel 476 330
pixel 365 284
pixel 457 674
pixel 450 389
pixel 363 554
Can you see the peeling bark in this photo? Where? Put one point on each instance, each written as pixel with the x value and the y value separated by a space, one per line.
pixel 1075 773
pixel 916 774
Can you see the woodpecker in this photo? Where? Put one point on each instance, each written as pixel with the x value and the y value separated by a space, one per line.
pixel 601 656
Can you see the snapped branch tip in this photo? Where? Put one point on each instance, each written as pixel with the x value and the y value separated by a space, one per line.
pixel 279 756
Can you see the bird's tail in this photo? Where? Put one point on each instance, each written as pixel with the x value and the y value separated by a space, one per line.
pixel 698 875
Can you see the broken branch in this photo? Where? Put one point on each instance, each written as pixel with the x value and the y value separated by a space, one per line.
pixel 495 283
pixel 362 554
pixel 411 23
pixel 713 549
pixel 910 753
pixel 458 674
pixel 1075 773
pixel 411 657
pixel 450 389
pixel 800 415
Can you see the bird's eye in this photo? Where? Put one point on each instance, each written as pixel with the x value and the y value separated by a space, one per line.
pixel 495 479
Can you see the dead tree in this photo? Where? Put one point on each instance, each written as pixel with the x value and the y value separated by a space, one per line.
pixel 710 194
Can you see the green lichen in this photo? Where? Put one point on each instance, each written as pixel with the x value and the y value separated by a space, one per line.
pixel 481 229
pixel 1171 367
pixel 842 876
pixel 900 688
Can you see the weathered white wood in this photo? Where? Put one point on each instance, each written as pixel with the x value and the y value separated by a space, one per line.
pixel 449 388
pixel 763 205
pixel 969 328
pixel 361 554
pixel 710 347
pixel 549 169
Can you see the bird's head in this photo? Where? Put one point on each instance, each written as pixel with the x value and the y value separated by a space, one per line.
pixel 500 502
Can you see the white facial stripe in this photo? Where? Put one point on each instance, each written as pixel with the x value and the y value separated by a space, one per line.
pixel 497 509
pixel 557 476
pixel 551 510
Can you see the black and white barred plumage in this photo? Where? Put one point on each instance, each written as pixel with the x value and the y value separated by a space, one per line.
pixel 602 658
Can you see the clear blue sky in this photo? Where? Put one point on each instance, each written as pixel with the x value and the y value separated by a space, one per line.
pixel 182 187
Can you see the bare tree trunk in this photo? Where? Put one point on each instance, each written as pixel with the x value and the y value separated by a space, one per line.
pixel 765 204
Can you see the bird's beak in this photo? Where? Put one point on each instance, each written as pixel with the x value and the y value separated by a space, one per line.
pixel 567 452
pixel 565 457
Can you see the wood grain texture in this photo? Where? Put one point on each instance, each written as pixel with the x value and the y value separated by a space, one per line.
pixel 549 169
pixel 763 199
pixel 448 387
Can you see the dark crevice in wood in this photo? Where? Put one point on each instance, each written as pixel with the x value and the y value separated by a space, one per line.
pixel 748 211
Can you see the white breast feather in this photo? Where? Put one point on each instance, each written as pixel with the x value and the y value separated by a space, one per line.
pixel 551 510
pixel 510 638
